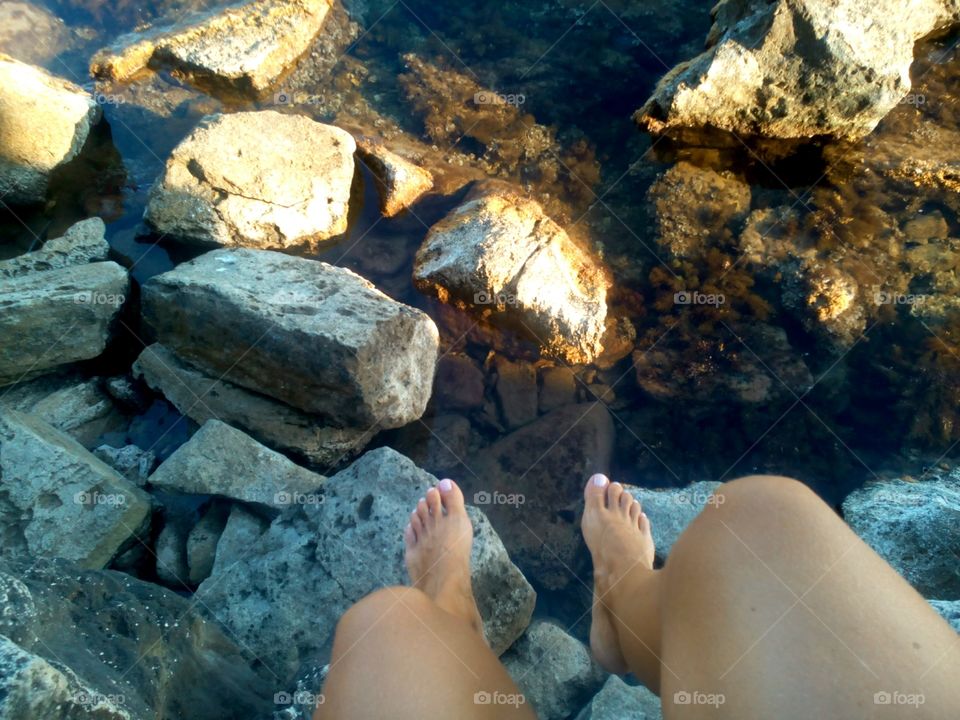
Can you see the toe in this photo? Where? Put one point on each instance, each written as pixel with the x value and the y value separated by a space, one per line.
pixel 626 500
pixel 614 492
pixel 409 536
pixel 595 490
pixel 450 495
pixel 634 511
pixel 434 504
pixel 423 512
pixel 644 524
pixel 416 526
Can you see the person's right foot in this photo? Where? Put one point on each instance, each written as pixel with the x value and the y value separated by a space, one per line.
pixel 618 535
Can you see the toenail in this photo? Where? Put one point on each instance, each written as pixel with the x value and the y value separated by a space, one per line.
pixel 446 485
pixel 599 480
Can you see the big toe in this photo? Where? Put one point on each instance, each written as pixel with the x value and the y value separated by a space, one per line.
pixel 451 495
pixel 595 490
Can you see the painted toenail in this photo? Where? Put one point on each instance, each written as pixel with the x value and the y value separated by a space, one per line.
pixel 446 485
pixel 600 480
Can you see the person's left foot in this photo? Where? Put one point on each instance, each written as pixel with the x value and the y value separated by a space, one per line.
pixel 438 540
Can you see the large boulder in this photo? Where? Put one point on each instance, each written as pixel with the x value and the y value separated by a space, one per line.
pixel 58 317
pixel 202 397
pixel 82 243
pixel 100 645
pixel 797 68
pixel 500 255
pixel 221 460
pixel 58 500
pixel 671 509
pixel 553 670
pixel 315 336
pixel 243 49
pixel 44 123
pixel 288 588
pixel 914 526
pixel 223 185
pixel 619 701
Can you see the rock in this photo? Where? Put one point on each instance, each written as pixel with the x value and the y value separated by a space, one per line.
pixel 553 670
pixel 82 243
pixel 102 645
pixel 438 444
pixel 401 183
pixel 530 484
pixel 242 531
pixel 312 335
pixel 202 397
pixel 127 393
pixel 786 69
pixel 914 526
pixel 22 23
pixel 223 185
pixel 245 48
pixel 202 542
pixel 500 255
pixel 458 384
pixel 316 560
pixel 619 701
pixel 516 391
pixel 558 387
pixel 134 463
pixel 221 460
pixel 949 610
pixel 171 556
pixel 58 317
pixel 671 509
pixel 59 500
pixel 44 122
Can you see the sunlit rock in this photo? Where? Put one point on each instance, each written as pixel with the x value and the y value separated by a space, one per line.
pixel 400 182
pixel 22 23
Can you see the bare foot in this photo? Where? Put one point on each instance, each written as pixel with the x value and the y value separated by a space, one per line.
pixel 438 541
pixel 618 534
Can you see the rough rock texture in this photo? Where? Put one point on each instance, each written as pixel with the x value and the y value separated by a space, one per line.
pixel 797 68
pixel 82 243
pixel 223 185
pixel 619 701
pixel 221 460
pixel 241 532
pixel 914 526
pixel 516 391
pixel 949 610
pixel 171 556
pixel 530 484
pixel 284 595
pixel 671 509
pixel 202 542
pixel 553 670
pixel 458 384
pixel 22 23
pixel 245 48
pixel 58 500
pixel 58 317
pixel 317 337
pixel 558 387
pixel 401 183
pixel 134 463
pixel 201 397
pixel 499 254
pixel 100 645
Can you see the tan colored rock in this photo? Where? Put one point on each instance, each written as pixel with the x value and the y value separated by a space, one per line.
pixel 401 183
pixel 21 23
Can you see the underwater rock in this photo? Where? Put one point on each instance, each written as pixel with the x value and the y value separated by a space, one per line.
pixel 400 182
pixel 317 559
pixel 619 701
pixel 458 384
pixel 501 256
pixel 914 526
pixel 312 335
pixel 58 317
pixel 558 387
pixel 788 70
pixel 82 243
pixel 44 123
pixel 671 509
pixel 223 185
pixel 101 645
pixel 516 391
pixel 553 670
pixel 59 500
pixel 22 23
pixel 202 397
pixel 221 460
pixel 244 49
pixel 134 463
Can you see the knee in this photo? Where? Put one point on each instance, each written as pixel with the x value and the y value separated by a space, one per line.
pixel 379 606
pixel 760 492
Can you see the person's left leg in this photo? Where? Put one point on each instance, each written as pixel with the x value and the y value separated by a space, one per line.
pixel 419 652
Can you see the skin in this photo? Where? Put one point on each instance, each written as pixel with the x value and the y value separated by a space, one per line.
pixel 768 607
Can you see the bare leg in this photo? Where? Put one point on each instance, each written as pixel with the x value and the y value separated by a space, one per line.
pixel 770 606
pixel 418 652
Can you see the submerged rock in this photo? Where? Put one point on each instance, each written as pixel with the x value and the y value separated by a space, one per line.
pixel 401 183
pixel 245 48
pixel 59 500
pixel 221 460
pixel 797 69
pixel 223 185
pixel 82 243
pixel 44 123
pixel 315 336
pixel 22 23
pixel 202 397
pixel 619 701
pixel 58 317
pixel 285 593
pixel 500 255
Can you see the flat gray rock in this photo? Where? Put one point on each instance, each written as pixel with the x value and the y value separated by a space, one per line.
pixel 83 242
pixel 619 701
